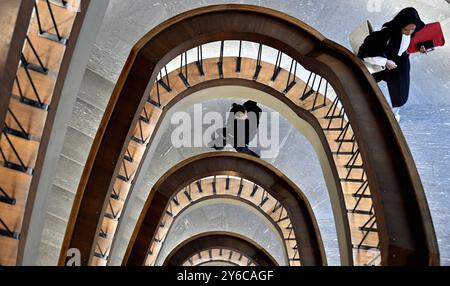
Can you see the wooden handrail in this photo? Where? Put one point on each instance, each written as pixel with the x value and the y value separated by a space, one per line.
pixel 406 231
pixel 300 109
pixel 228 240
pixel 39 80
pixel 14 22
pixel 338 202
pixel 235 189
pixel 305 227
pixel 219 255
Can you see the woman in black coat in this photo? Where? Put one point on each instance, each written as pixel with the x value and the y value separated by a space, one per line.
pixel 387 48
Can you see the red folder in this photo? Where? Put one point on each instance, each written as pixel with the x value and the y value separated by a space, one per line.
pixel 430 34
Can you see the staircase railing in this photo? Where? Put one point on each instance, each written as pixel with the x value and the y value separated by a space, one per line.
pixel 233 188
pixel 404 225
pixel 41 57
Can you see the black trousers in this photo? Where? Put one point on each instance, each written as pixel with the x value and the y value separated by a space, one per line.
pixel 398 80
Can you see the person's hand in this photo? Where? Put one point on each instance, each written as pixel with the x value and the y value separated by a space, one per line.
pixel 423 50
pixel 390 65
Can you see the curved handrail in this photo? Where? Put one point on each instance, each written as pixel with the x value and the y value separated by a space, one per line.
pixel 271 91
pixel 206 240
pixel 404 222
pixel 304 225
pixel 36 66
pixel 276 214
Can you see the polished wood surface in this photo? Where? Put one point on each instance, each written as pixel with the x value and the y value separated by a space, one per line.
pixel 404 222
pixel 14 22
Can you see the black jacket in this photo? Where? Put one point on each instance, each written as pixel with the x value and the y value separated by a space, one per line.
pixel 386 43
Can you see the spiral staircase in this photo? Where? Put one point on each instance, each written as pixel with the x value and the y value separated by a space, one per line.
pixel 379 207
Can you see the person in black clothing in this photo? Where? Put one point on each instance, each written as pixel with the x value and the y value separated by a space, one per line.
pixel 387 48
pixel 240 129
pixel 253 114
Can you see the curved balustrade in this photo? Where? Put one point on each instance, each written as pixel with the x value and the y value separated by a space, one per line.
pixel 287 202
pixel 378 168
pixel 336 128
pixel 328 119
pixel 219 255
pixel 14 20
pixel 44 61
pixel 204 241
pixel 227 187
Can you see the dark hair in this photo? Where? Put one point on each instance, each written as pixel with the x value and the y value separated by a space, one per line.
pixel 404 18
pixel 237 108
pixel 252 106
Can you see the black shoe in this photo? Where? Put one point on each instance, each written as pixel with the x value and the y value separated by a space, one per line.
pixel 217 148
pixel 247 151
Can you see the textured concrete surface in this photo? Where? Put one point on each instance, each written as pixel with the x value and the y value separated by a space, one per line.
pixel 89 108
pixel 226 217
pixel 425 119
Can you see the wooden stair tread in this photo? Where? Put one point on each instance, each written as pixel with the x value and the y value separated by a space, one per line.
pixel 63 17
pixel 15 183
pixel 31 118
pixel 26 149
pixel 12 216
pixel 44 84
pixel 49 52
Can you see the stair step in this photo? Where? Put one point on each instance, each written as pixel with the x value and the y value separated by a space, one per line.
pixel 46 50
pixel 44 85
pixel 68 174
pixel 86 118
pixel 9 251
pixel 32 119
pixel 48 254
